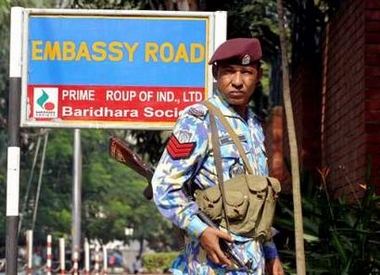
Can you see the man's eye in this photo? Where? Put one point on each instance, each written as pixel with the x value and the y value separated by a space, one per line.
pixel 247 72
pixel 227 71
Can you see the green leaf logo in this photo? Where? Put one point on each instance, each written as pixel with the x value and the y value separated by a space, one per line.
pixel 42 99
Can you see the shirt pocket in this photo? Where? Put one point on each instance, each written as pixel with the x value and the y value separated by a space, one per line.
pixel 232 162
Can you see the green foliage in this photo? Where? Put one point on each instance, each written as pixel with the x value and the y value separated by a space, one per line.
pixel 340 237
pixel 4 57
pixel 112 198
pixel 109 4
pixel 158 262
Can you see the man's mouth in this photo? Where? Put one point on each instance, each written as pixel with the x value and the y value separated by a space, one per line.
pixel 236 93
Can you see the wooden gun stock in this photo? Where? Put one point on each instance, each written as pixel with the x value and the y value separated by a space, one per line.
pixel 120 151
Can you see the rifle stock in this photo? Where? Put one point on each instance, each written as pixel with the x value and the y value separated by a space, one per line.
pixel 120 151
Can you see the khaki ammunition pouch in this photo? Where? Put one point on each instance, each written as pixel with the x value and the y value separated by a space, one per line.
pixel 250 204
pixel 245 204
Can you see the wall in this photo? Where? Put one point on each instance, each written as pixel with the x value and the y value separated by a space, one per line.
pixel 337 115
pixel 276 147
pixel 372 87
pixel 306 101
pixel 351 97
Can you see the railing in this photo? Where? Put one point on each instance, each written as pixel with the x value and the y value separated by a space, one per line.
pixel 67 266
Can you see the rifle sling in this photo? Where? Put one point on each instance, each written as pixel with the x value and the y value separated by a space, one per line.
pixel 217 154
pixel 212 109
pixel 218 164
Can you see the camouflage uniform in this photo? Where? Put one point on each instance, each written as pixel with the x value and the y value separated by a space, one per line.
pixel 188 157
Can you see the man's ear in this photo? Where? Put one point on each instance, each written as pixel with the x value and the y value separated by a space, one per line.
pixel 259 75
pixel 215 71
pixel 260 72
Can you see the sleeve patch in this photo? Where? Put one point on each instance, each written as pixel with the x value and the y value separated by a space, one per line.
pixel 179 150
pixel 198 113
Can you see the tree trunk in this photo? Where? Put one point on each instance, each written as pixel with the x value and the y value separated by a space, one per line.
pixel 141 244
pixel 298 220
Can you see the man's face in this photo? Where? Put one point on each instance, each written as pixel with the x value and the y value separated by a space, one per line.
pixel 237 83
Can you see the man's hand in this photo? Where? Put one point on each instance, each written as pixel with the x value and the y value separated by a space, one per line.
pixel 210 242
pixel 274 267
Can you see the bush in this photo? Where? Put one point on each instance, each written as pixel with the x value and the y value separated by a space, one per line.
pixel 158 262
pixel 341 237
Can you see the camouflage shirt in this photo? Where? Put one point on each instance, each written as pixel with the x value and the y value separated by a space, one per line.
pixel 188 157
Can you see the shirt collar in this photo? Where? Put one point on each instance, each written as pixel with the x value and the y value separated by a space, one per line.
pixel 225 108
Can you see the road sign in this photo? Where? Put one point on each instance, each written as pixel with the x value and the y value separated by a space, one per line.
pixel 115 69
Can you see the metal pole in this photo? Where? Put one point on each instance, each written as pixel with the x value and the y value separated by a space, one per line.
pixel 35 210
pixel 77 180
pixel 62 259
pixel 49 255
pixel 13 157
pixel 86 258
pixel 105 260
pixel 29 252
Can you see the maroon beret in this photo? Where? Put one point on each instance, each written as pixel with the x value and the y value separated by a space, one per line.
pixel 239 51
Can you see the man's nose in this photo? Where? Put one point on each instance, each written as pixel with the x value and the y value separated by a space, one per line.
pixel 237 79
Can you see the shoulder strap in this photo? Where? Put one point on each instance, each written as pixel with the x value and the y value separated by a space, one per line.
pixel 231 132
pixel 218 165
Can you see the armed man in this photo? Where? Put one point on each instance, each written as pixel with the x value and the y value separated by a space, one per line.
pixel 215 166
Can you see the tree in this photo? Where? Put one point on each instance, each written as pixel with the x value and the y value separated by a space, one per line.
pixel 112 194
pixel 300 254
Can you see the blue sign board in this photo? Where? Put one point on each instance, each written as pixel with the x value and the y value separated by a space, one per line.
pixel 115 70
pixel 117 51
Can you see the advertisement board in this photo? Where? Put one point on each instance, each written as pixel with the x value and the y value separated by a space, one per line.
pixel 115 69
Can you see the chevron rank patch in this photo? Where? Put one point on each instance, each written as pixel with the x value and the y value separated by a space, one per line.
pixel 199 113
pixel 179 149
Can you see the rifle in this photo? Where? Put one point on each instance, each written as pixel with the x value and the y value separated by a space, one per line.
pixel 227 247
pixel 120 151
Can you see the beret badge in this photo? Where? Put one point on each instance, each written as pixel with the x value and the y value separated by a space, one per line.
pixel 246 60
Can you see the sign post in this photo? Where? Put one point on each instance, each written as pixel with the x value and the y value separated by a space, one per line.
pixel 110 69
pixel 13 152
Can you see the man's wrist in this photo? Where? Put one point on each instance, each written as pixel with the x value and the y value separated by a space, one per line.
pixel 196 226
pixel 270 250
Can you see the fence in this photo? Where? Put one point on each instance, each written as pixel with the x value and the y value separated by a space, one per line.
pixel 71 266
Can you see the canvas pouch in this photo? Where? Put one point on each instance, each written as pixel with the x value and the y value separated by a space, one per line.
pixel 250 204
